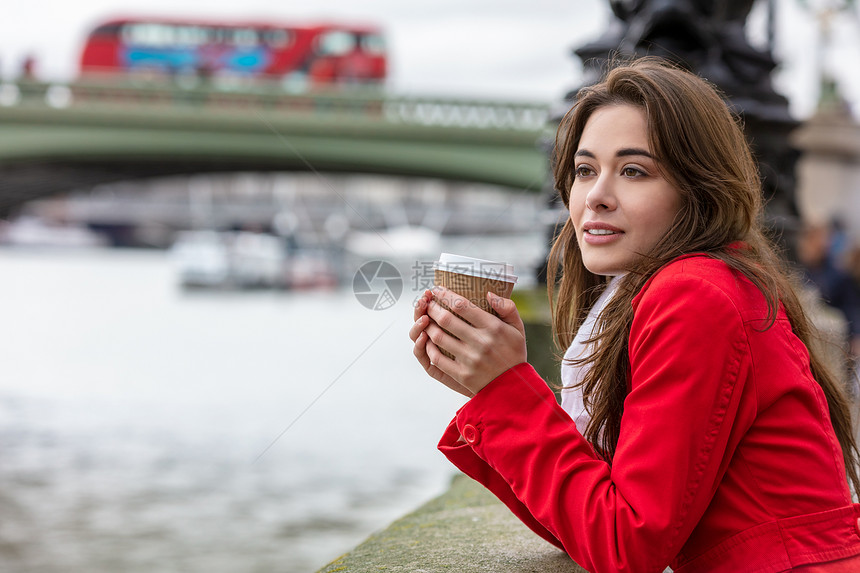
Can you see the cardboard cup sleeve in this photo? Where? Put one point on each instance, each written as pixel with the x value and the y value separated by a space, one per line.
pixel 473 288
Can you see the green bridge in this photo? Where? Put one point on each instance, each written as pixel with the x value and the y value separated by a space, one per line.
pixel 61 137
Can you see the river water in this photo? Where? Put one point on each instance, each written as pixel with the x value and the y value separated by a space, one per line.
pixel 143 428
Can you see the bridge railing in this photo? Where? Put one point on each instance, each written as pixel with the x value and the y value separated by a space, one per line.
pixel 368 103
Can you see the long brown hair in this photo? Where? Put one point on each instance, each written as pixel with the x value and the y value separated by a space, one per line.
pixel 701 150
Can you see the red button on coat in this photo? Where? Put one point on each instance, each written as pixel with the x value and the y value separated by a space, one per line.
pixel 857 526
pixel 470 434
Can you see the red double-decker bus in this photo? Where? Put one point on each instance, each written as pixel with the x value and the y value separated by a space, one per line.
pixel 317 54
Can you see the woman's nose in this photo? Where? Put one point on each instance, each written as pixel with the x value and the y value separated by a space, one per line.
pixel 601 195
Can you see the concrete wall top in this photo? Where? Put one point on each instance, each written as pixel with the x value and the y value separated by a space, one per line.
pixel 466 530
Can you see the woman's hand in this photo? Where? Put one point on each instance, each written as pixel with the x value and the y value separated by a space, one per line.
pixel 483 348
pixel 420 338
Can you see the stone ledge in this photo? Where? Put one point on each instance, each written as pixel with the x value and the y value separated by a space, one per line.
pixel 465 530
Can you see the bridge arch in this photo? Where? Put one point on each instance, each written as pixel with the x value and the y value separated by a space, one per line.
pixel 57 138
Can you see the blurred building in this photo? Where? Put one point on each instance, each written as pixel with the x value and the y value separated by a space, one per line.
pixel 828 170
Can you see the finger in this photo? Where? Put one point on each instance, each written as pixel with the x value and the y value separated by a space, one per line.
pixel 442 363
pixel 420 352
pixel 418 327
pixel 421 305
pixel 444 340
pixel 448 312
pixel 507 310
pixel 462 306
pixel 455 324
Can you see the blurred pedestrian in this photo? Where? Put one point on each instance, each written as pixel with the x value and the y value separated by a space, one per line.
pixel 28 68
pixel 825 257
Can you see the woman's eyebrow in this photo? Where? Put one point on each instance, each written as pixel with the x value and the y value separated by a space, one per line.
pixel 633 151
pixel 625 152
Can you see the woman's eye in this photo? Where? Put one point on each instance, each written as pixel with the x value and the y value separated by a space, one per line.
pixel 630 172
pixel 583 171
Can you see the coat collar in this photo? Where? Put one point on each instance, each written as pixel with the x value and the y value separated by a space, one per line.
pixel 735 245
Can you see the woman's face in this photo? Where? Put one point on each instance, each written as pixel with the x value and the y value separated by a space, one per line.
pixel 620 204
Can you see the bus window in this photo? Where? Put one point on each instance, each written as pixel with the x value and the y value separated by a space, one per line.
pixel 277 39
pixel 106 31
pixel 336 43
pixel 373 44
pixel 190 36
pixel 148 35
pixel 245 37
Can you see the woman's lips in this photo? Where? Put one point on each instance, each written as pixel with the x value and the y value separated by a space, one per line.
pixel 595 233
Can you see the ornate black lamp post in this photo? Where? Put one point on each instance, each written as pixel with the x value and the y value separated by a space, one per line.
pixel 707 37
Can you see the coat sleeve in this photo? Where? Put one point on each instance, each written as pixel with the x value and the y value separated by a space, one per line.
pixel 461 455
pixel 689 359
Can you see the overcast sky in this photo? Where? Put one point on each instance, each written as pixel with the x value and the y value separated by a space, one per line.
pixel 502 49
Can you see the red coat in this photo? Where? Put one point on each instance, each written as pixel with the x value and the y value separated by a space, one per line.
pixel 727 460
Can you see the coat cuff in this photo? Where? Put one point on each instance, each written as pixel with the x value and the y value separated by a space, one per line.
pixel 520 381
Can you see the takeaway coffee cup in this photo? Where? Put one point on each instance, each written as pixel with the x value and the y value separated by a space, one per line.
pixel 474 278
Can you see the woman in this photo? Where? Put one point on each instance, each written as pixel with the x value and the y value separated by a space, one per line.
pixel 713 437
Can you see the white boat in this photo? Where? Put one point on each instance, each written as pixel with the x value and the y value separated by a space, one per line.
pixel 400 242
pixel 229 260
pixel 35 232
pixel 245 260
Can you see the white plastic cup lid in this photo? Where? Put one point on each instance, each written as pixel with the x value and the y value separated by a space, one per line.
pixel 473 267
